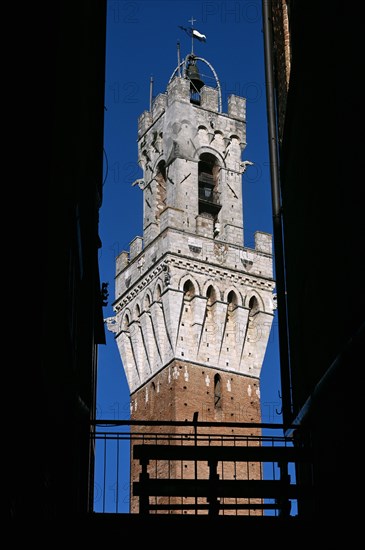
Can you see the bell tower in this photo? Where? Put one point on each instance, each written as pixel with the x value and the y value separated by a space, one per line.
pixel 193 306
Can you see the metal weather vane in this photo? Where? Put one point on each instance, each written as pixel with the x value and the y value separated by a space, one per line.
pixel 191 58
pixel 193 33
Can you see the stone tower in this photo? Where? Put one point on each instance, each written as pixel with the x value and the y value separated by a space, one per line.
pixel 194 306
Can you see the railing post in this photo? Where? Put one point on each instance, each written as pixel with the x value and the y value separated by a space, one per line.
pixel 195 420
pixel 213 498
pixel 144 499
pixel 284 504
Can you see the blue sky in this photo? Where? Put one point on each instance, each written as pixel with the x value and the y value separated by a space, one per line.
pixel 141 42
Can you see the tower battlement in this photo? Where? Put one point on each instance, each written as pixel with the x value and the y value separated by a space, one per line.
pixel 188 289
pixel 179 91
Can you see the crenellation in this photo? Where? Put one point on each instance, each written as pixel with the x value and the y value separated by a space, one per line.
pixel 122 261
pixel 263 242
pixel 135 247
pixel 178 90
pixel 209 98
pixel 144 122
pixel 159 106
pixel 237 107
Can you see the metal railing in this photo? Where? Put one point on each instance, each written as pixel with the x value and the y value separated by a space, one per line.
pixel 208 194
pixel 196 467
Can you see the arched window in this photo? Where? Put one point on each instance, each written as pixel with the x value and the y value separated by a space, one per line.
pixel 147 302
pixel 126 322
pixel 211 295
pixel 208 177
pixel 209 311
pixel 232 301
pixel 189 290
pixel 253 305
pixel 217 392
pixel 158 293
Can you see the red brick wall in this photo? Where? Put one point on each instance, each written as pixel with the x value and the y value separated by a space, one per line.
pixel 181 389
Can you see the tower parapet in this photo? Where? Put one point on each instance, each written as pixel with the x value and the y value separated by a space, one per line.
pixel 189 290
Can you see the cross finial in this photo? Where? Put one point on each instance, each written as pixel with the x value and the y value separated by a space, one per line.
pixel 192 21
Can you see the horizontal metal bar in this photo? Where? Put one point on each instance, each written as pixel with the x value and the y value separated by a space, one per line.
pixel 186 423
pixel 183 438
pixel 221 454
pixel 231 488
pixel 201 506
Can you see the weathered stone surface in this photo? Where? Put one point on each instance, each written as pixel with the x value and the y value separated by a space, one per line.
pixel 187 291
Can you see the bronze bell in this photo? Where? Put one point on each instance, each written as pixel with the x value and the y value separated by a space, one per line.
pixel 193 75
